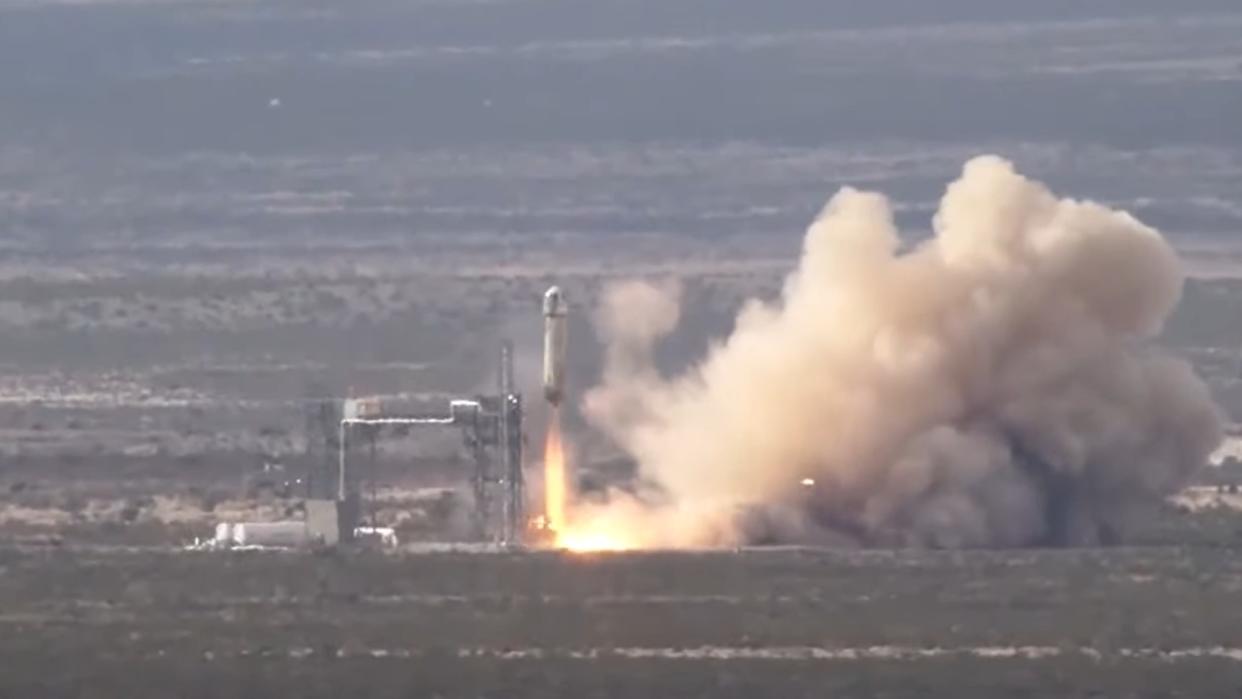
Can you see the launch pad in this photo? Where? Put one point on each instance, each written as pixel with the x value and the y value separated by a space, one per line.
pixel 491 429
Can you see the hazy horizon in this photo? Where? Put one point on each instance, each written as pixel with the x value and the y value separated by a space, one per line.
pixel 204 122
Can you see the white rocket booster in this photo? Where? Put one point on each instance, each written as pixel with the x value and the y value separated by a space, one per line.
pixel 555 336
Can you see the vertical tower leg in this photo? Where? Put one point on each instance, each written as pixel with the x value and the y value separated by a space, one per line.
pixel 510 447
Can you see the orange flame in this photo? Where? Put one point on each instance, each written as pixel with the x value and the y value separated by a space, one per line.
pixel 590 540
pixel 554 476
pixel 566 534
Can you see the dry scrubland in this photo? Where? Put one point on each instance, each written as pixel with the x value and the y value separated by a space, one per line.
pixel 215 213
pixel 138 425
pixel 172 354
pixel 1151 622
pixel 142 387
pixel 140 390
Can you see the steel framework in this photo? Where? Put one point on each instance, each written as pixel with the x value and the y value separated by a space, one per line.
pixel 491 429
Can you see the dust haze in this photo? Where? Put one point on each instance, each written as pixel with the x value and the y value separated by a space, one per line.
pixel 991 387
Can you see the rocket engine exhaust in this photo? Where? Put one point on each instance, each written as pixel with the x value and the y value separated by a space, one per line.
pixel 554 481
pixel 994 386
pixel 559 524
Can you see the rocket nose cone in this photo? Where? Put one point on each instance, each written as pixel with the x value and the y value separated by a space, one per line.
pixel 553 302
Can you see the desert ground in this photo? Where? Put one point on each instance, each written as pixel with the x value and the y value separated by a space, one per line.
pixel 116 461
pixel 218 217
pixel 1141 622
pixel 143 406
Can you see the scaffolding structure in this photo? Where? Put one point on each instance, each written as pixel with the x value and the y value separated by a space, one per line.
pixel 491 428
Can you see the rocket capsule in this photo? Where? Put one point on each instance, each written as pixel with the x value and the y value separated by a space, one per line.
pixel 555 312
pixel 553 302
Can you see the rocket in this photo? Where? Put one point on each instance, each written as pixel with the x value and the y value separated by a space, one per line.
pixel 555 335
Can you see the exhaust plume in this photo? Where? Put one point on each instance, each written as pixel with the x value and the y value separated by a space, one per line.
pixel 990 387
pixel 554 482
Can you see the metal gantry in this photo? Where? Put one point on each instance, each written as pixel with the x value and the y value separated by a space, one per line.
pixel 492 432
pixel 510 438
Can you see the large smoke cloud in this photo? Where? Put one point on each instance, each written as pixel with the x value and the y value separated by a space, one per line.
pixel 988 388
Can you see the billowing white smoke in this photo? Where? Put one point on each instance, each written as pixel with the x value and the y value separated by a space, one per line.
pixel 989 388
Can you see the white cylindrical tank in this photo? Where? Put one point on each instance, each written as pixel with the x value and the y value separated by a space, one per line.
pixel 224 533
pixel 274 534
pixel 555 337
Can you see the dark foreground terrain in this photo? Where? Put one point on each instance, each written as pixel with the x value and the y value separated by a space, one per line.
pixel 135 623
